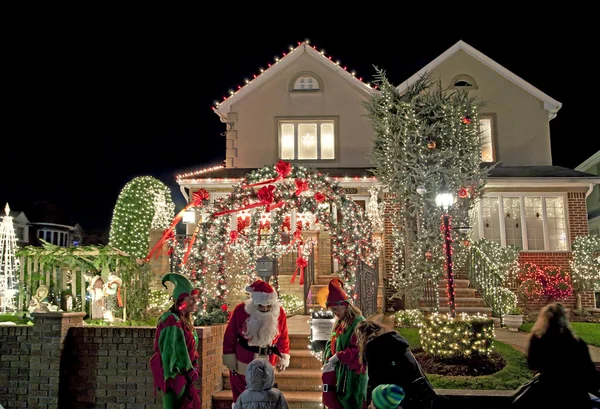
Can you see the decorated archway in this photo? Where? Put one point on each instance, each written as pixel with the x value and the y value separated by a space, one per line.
pixel 262 204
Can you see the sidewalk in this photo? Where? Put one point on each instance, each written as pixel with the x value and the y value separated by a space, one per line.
pixel 517 339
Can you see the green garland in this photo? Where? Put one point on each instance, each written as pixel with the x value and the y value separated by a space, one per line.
pixel 352 237
pixel 96 260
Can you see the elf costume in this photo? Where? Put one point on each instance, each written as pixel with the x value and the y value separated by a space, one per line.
pixel 175 361
pixel 351 378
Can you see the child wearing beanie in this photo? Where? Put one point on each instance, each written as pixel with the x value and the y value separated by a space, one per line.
pixel 386 396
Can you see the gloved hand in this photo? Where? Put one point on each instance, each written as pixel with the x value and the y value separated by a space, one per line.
pixel 230 361
pixel 193 375
pixel 330 365
pixel 282 363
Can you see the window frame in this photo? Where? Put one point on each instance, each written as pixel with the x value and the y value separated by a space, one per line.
pixel 521 195
pixel 309 120
pixel 300 74
pixel 494 136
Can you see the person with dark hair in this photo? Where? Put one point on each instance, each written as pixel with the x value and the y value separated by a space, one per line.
pixel 341 351
pixel 174 364
pixel 564 369
pixel 389 361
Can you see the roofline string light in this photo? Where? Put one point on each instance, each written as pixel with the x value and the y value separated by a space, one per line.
pixel 277 60
pixel 199 171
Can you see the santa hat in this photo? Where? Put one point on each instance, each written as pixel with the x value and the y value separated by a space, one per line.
pixel 183 287
pixel 262 293
pixel 337 296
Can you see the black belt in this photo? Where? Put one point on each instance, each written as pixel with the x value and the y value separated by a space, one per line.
pixel 268 350
pixel 328 388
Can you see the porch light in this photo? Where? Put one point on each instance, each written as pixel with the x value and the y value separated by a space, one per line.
pixel 189 217
pixel 444 199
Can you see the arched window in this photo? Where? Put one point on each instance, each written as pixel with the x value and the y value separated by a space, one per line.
pixel 463 81
pixel 306 82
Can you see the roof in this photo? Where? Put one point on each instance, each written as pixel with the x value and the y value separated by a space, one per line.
pixel 221 108
pixel 537 172
pixel 220 172
pixel 239 173
pixel 595 158
pixel 550 104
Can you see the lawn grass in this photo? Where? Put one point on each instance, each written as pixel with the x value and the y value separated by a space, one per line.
pixel 513 375
pixel 14 318
pixel 588 331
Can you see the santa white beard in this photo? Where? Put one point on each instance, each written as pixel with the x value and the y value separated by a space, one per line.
pixel 261 327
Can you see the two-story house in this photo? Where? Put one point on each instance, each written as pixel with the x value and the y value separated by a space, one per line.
pixel 306 108
pixel 592 165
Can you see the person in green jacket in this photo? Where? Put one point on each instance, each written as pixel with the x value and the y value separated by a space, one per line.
pixel 174 364
pixel 341 351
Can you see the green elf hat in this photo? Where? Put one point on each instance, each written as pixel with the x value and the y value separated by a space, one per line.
pixel 183 287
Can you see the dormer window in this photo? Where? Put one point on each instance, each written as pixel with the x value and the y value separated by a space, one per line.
pixel 463 81
pixel 306 82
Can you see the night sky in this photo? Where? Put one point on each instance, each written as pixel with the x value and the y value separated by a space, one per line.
pixel 91 104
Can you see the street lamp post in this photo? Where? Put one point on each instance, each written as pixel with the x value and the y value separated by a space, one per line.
pixel 445 200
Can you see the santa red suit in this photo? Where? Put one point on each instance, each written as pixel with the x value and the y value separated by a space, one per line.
pixel 252 334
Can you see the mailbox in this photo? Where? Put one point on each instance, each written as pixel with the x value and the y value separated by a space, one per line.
pixel 265 267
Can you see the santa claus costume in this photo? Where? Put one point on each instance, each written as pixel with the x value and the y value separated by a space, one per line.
pixel 257 329
pixel 174 364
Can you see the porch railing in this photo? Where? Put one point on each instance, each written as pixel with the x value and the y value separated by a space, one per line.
pixel 484 277
pixel 367 282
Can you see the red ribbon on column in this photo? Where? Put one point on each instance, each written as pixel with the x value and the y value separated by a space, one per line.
pixel 197 199
pixel 282 168
pixel 301 264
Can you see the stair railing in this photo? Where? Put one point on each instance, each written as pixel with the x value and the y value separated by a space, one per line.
pixel 485 278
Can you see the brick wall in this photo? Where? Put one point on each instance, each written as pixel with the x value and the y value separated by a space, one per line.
pixel 59 363
pixel 578 226
pixel 108 367
pixel 15 350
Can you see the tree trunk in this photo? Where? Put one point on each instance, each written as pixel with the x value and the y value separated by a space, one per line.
pixel 578 304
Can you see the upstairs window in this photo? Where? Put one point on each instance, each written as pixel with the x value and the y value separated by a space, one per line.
pixel 307 140
pixel 486 127
pixel 306 83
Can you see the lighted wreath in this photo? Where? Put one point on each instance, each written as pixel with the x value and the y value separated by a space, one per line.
pixel 274 191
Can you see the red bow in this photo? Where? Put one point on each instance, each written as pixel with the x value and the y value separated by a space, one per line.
pixel 283 170
pixel 319 197
pixel 301 186
pixel 301 264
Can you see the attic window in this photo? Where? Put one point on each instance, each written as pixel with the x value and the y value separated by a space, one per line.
pixel 306 83
pixel 463 81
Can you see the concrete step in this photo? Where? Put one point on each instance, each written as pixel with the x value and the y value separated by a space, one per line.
pixel 458 283
pixel 299 341
pixel 295 399
pixel 459 292
pixel 292 379
pixel 304 359
pixel 465 301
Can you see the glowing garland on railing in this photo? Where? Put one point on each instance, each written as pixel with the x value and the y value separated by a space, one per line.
pixel 292 49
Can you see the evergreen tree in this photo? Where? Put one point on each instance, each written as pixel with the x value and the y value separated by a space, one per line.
pixel 425 138
pixel 144 203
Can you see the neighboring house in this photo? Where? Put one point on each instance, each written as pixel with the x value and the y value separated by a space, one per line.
pixel 592 165
pixel 21 226
pixel 307 109
pixel 58 234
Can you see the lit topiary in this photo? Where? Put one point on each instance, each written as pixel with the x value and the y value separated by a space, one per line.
pixel 292 304
pixel 462 337
pixel 144 203
pixel 408 318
